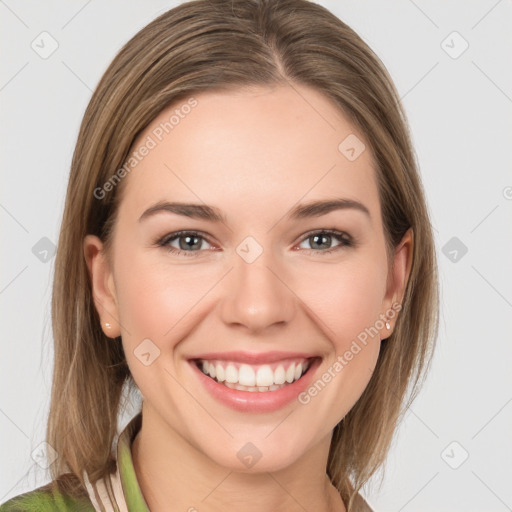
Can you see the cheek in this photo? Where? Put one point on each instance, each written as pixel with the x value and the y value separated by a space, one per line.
pixel 160 300
pixel 346 296
pixel 347 310
pixel 156 303
pixel 152 299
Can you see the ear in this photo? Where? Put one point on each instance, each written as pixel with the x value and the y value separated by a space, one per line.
pixel 397 279
pixel 102 282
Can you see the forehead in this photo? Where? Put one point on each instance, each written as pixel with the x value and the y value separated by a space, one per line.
pixel 251 150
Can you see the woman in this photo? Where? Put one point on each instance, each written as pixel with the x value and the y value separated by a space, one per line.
pixel 246 241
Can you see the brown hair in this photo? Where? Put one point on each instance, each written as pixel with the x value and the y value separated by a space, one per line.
pixel 222 45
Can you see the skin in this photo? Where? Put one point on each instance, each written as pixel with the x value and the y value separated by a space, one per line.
pixel 254 154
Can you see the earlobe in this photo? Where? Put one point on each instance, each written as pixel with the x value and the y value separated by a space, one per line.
pixel 102 285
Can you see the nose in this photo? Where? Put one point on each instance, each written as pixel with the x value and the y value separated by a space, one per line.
pixel 257 296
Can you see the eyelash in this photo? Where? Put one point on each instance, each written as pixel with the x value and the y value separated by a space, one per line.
pixel 345 239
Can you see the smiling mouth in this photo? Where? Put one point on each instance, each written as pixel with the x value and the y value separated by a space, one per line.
pixel 255 378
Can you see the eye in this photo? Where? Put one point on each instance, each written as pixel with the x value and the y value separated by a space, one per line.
pixel 189 242
pixel 324 238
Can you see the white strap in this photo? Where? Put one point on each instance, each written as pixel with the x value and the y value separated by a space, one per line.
pixel 92 494
pixel 117 487
pixel 99 490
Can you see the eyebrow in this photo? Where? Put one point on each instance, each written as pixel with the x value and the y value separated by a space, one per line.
pixel 194 211
pixel 213 214
pixel 319 208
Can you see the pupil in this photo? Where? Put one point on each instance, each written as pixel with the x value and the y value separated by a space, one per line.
pixel 325 237
pixel 187 244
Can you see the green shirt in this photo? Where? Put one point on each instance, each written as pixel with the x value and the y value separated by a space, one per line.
pixel 119 492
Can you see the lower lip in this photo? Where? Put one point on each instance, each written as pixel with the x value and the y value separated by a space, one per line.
pixel 257 401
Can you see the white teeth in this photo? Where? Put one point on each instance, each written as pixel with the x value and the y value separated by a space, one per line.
pixel 246 378
pixel 221 375
pixel 252 389
pixel 231 374
pixel 290 373
pixel 298 371
pixel 265 376
pixel 279 375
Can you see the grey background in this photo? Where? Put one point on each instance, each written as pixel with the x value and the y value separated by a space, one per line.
pixel 459 112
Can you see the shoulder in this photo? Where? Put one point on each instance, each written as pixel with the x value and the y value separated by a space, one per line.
pixel 51 497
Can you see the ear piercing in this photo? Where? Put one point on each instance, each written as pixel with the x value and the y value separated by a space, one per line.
pixel 107 325
pixel 388 327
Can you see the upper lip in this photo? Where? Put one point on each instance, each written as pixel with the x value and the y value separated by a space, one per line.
pixel 254 358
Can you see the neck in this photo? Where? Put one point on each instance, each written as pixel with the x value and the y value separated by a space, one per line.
pixel 174 476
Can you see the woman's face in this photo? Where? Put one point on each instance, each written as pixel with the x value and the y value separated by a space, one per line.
pixel 264 286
